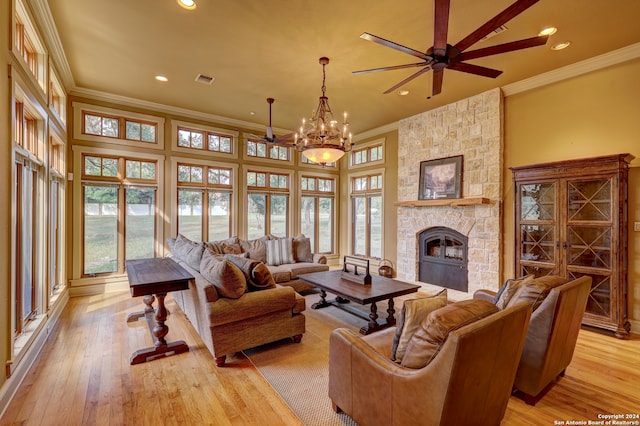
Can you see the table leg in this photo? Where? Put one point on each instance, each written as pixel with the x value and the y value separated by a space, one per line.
pixel 373 321
pixel 323 301
pixel 148 301
pixel 391 319
pixel 159 331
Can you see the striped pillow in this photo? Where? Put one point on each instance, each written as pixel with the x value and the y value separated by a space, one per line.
pixel 279 251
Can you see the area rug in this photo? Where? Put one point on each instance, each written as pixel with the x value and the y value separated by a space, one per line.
pixel 300 372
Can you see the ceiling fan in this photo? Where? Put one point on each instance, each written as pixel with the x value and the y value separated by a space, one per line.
pixel 269 137
pixel 443 55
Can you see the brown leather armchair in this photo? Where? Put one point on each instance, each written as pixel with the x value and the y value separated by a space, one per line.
pixel 551 337
pixel 468 381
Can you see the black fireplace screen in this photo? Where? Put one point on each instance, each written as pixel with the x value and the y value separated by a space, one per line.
pixel 443 258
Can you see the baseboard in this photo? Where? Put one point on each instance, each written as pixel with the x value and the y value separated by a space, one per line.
pixel 635 327
pixel 26 360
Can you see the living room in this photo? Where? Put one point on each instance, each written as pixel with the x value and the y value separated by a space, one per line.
pixel 586 108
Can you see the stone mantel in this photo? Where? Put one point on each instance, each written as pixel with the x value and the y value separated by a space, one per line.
pixel 454 202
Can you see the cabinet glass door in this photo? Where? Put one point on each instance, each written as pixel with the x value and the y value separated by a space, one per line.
pixel 538 230
pixel 590 239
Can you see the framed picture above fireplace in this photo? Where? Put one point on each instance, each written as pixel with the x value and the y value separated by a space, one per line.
pixel 441 178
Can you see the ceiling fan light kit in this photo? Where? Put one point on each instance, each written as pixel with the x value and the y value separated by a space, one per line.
pixel 443 56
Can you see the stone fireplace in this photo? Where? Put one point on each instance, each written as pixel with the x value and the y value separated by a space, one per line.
pixel 471 128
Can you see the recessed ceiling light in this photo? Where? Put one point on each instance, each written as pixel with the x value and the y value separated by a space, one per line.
pixel 252 113
pixel 403 92
pixel 548 31
pixel 187 4
pixel 561 46
pixel 161 78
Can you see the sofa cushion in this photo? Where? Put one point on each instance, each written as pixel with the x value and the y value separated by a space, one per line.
pixel 302 249
pixel 507 291
pixel 280 273
pixel 535 291
pixel 255 248
pixel 413 312
pixel 256 273
pixel 280 251
pixel 223 274
pixel 298 269
pixel 188 251
pixel 432 333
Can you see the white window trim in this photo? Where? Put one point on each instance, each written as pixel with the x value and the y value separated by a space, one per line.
pixel 79 108
pixel 265 160
pixel 368 145
pixel 293 194
pixel 350 178
pixel 173 208
pixel 77 209
pixel 174 139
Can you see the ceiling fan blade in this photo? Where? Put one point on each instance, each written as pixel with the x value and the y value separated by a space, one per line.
pixel 503 48
pixel 474 69
pixel 441 27
pixel 284 139
pixel 437 81
pixel 505 16
pixel 394 67
pixel 408 79
pixel 394 45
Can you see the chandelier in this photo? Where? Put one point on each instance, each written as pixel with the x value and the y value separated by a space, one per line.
pixel 320 138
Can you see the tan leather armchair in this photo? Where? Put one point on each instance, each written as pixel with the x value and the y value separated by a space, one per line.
pixel 468 382
pixel 551 337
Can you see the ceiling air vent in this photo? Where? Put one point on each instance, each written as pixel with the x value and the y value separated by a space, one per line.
pixel 497 31
pixel 204 79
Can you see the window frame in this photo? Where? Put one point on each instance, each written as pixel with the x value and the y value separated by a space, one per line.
pixel 26 35
pixel 368 147
pixel 80 109
pixel 317 194
pixel 178 124
pixel 366 194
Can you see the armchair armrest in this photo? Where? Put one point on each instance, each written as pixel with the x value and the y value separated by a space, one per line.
pixel 483 294
pixel 319 258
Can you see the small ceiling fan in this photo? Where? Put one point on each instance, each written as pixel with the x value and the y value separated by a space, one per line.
pixel 443 55
pixel 269 137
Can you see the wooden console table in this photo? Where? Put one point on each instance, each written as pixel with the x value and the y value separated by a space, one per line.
pixel 154 278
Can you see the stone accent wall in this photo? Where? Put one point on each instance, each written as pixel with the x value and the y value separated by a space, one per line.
pixel 472 128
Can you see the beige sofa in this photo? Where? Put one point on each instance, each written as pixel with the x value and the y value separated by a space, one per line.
pixel 233 308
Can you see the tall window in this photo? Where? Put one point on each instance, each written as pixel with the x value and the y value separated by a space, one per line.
pixel 262 150
pixel 268 204
pixel 204 202
pixel 366 211
pixel 119 222
pixel 317 212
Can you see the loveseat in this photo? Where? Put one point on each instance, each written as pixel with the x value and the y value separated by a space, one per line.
pixel 234 302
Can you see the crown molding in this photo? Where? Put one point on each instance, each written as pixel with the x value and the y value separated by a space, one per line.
pixel 168 109
pixel 42 12
pixel 588 65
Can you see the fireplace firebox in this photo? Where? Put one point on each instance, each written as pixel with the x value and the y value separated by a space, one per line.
pixel 443 258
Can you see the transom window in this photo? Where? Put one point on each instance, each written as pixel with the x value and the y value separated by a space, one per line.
pixel 366 155
pixel 28 129
pixel 204 140
pixel 204 202
pixel 29 45
pixel 262 150
pixel 118 127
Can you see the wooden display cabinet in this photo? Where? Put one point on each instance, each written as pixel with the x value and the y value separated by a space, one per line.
pixel 571 220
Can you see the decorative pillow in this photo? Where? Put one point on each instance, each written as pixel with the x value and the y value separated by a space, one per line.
pixel 508 290
pixel 414 311
pixel 188 251
pixel 279 251
pixel 535 291
pixel 215 247
pixel 302 249
pixel 224 275
pixel 432 333
pixel 256 273
pixel 256 249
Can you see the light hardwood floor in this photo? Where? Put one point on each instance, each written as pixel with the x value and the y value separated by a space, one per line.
pixel 83 377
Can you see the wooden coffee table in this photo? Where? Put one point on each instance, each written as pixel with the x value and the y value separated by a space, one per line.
pixel 154 278
pixel 381 288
